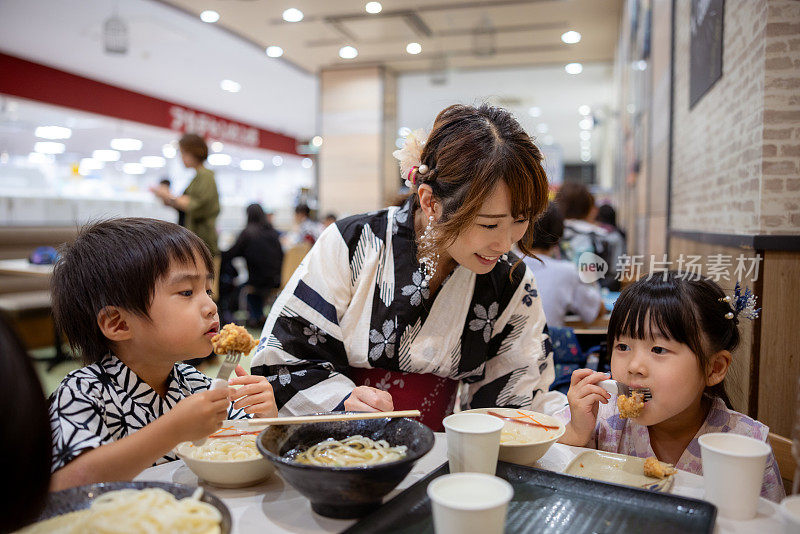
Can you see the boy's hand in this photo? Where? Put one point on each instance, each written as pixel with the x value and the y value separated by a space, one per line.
pixel 198 415
pixel 584 395
pixel 255 395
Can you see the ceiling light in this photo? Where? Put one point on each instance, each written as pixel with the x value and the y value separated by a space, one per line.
pixel 219 159
pixel 209 16
pixel 404 131
pixel 373 7
pixel 217 146
pixel 571 37
pixel 542 128
pixel 126 143
pixel 53 132
pixel 169 150
pixel 49 147
pixel 586 157
pixel 274 51
pixel 584 110
pixel 347 52
pixel 230 86
pixel 153 162
pixel 133 168
pixel 585 135
pixel 586 124
pixel 316 141
pixel 251 165
pixel 292 15
pixel 640 65
pixel 414 48
pixel 307 163
pixel 535 111
pixel 277 161
pixel 105 155
pixel 573 68
pixel 91 164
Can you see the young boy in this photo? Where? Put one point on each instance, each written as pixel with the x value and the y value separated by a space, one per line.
pixel 133 298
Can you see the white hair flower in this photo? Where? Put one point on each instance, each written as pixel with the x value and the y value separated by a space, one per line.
pixel 410 155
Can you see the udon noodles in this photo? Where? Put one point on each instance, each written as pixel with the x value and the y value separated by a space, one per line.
pixel 150 510
pixel 350 452
pixel 231 449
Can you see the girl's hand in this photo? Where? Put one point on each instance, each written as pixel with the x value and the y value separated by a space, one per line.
pixel 584 395
pixel 367 399
pixel 197 415
pixel 255 395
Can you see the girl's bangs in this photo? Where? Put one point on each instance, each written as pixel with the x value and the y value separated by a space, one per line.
pixel 648 314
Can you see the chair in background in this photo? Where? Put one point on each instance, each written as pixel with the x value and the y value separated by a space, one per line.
pixel 782 449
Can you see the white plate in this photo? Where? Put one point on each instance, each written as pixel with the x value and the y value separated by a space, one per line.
pixel 616 468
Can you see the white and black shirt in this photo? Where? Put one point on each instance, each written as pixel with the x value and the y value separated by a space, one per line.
pixel 106 401
pixel 357 300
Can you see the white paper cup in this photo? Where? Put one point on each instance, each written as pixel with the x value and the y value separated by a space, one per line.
pixel 790 510
pixel 733 472
pixel 469 503
pixel 473 442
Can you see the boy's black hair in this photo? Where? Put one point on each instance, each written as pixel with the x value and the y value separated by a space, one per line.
pixel 115 263
pixel 548 229
pixel 684 308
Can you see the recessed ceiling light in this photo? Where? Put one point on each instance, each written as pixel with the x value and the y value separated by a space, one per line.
pixel 153 162
pixel 640 65
pixel 584 110
pixel 251 165
pixel 105 155
pixel 217 146
pixel 307 163
pixel 316 141
pixel 49 147
pixel 571 37
pixel 169 150
pixel 274 51
pixel 414 48
pixel 53 132
pixel 219 160
pixel 230 86
pixel 535 111
pixel 573 68
pixel 126 143
pixel 292 15
pixel 586 157
pixel 373 7
pixel 347 52
pixel 209 16
pixel 586 124
pixel 133 168
pixel 585 135
pixel 277 161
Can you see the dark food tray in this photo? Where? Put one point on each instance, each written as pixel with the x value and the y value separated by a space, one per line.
pixel 550 502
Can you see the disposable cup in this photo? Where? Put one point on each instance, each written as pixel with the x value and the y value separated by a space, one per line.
pixel 473 442
pixel 469 503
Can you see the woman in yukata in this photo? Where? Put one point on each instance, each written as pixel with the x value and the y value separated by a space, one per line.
pixel 393 309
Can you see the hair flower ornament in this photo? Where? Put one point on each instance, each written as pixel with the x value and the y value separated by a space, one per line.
pixel 743 303
pixel 410 156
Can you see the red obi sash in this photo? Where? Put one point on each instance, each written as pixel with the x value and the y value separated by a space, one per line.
pixel 432 395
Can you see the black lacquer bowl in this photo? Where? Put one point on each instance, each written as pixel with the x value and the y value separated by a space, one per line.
pixel 80 498
pixel 345 492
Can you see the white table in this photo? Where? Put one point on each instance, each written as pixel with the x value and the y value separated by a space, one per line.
pixel 23 266
pixel 276 507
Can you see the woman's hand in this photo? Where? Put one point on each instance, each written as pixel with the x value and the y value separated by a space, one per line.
pixel 255 395
pixel 584 396
pixel 367 399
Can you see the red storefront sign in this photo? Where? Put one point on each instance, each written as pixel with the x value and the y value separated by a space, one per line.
pixel 26 79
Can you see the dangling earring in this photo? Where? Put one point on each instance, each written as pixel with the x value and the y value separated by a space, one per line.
pixel 430 259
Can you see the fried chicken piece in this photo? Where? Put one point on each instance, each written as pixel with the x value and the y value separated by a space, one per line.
pixel 656 469
pixel 233 338
pixel 630 407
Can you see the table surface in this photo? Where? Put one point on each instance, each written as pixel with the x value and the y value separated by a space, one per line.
pixel 276 507
pixel 23 266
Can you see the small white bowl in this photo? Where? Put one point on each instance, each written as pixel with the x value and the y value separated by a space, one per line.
pixel 525 453
pixel 790 510
pixel 227 474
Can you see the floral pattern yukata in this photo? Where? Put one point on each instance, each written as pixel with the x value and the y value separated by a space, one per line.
pixel 357 303
pixel 106 401
pixel 616 434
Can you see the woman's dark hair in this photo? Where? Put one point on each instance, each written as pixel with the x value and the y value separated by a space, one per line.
pixel 256 216
pixel 25 429
pixel 468 152
pixel 195 146
pixel 548 229
pixel 606 215
pixel 574 200
pixel 679 307
pixel 116 263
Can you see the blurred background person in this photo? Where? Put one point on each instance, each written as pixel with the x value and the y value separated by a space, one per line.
pixel 260 247
pixel 560 287
pixel 329 220
pixel 306 229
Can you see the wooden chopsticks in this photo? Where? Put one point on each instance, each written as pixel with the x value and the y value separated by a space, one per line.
pixel 300 419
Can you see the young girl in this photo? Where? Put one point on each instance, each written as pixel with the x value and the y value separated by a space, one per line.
pixel 133 298
pixel 674 336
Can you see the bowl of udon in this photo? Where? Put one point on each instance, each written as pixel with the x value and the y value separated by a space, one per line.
pixel 155 507
pixel 526 435
pixel 228 458
pixel 345 468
